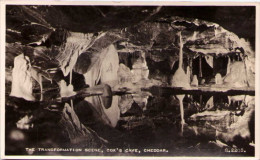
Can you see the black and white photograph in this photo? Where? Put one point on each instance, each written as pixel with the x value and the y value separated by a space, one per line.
pixel 130 80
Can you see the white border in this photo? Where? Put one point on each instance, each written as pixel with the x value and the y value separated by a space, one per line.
pixel 123 2
pixel 2 77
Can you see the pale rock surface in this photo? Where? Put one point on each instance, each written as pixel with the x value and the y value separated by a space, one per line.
pixel 125 103
pixel 180 78
pixel 195 81
pixel 218 79
pixel 66 91
pixel 124 74
pixel 25 123
pixel 110 67
pixel 104 68
pixel 21 78
pixel 140 69
pixel 76 43
pixel 237 77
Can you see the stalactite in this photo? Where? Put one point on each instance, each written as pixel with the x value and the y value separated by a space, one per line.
pixel 180 79
pixel 200 67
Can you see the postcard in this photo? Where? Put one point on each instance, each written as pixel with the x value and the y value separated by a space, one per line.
pixel 105 80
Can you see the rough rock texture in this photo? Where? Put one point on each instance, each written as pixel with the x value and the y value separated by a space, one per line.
pixel 21 78
pixel 109 67
pixel 140 69
pixel 125 103
pixel 240 128
pixel 239 76
pixel 76 43
pixel 124 74
pixel 103 67
pixel 67 39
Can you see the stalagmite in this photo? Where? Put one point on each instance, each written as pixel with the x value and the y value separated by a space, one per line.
pixel 180 79
pixel 195 81
pixel 237 77
pixel 218 79
pixel 21 78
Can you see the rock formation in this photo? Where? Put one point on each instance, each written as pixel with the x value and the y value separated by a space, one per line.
pixel 109 67
pixel 140 69
pixel 180 78
pixel 66 90
pixel 103 67
pixel 218 79
pixel 195 81
pixel 237 77
pixel 124 74
pixel 21 78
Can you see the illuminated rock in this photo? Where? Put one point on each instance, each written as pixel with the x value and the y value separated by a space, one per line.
pixel 195 81
pixel 218 79
pixel 25 123
pixel 237 77
pixel 103 67
pixel 110 67
pixel 140 69
pixel 125 103
pixel 180 78
pixel 66 91
pixel 21 78
pixel 124 74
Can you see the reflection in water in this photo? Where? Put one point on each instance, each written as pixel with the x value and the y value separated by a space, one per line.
pixel 208 123
pixel 107 108
pixel 180 98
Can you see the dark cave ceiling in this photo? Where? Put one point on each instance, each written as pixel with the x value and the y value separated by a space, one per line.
pixel 38 20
